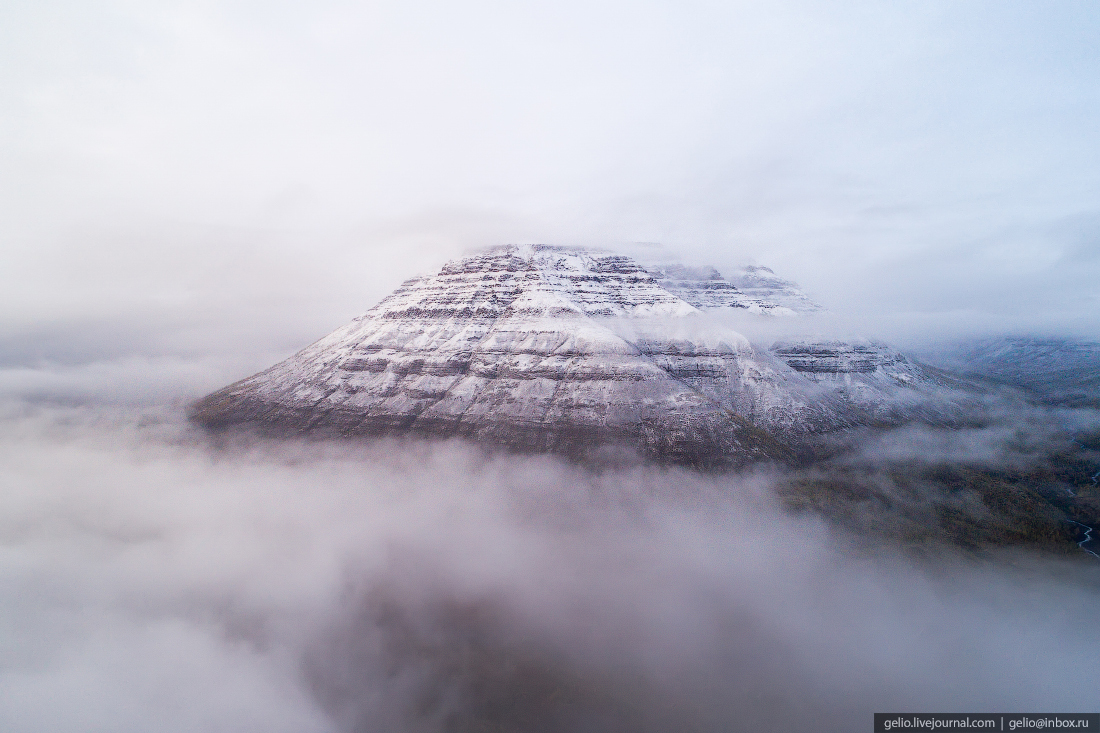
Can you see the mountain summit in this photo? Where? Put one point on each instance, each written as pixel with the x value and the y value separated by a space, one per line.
pixel 547 348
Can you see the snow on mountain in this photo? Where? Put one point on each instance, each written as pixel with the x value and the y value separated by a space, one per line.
pixel 561 349
pixel 827 360
pixel 872 378
pixel 755 289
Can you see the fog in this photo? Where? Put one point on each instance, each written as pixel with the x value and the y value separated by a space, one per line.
pixel 157 577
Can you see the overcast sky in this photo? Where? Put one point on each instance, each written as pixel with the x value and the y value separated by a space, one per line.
pixel 210 170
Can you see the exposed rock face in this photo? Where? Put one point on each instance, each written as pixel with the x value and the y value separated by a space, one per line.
pixel 550 349
pixel 755 289
pixel 875 381
pixel 823 360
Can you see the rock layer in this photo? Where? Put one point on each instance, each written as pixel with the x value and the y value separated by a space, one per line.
pixel 754 289
pixel 549 349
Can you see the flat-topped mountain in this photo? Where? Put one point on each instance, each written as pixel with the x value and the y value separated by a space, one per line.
pixel 557 349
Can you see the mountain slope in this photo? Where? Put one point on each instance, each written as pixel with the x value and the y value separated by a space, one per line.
pixel 542 348
pixel 1055 370
pixel 754 289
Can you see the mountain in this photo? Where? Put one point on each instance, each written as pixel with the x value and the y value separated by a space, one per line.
pixel 547 348
pixel 877 383
pixel 1055 370
pixel 755 289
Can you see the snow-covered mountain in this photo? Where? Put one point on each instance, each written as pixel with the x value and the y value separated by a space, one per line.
pixel 876 383
pixel 561 349
pixel 755 289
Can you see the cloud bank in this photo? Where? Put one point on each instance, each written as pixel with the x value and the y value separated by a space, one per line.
pixel 157 580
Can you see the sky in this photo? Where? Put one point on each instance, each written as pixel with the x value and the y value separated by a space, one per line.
pixel 181 177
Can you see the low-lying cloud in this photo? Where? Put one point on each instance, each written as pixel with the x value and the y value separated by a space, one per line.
pixel 156 580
